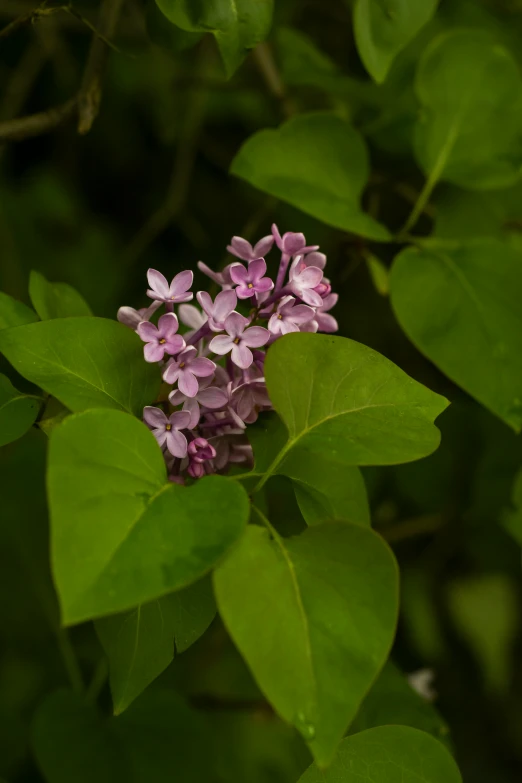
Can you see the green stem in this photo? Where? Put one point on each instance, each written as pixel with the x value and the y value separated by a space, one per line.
pixel 273 465
pixel 70 661
pixel 99 678
pixel 420 204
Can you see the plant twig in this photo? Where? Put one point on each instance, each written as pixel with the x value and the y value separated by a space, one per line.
pixel 36 124
pixel 266 64
pixel 28 18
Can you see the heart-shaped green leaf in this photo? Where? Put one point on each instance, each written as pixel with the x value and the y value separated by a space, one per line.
pixel 18 411
pixel 121 536
pixel 329 187
pixel 141 643
pixel 382 30
pixel 388 754
pixel 345 403
pixel 84 362
pixel 55 300
pixel 470 89
pixel 14 313
pixel 317 648
pixel 461 307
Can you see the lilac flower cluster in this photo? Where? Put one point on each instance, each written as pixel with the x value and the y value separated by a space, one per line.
pixel 215 368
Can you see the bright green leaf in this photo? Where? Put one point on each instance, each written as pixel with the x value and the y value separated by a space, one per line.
pixel 18 411
pixel 252 25
pixel 121 536
pixel 316 649
pixel 469 133
pixel 388 754
pixel 329 187
pixel 84 362
pixel 55 300
pixel 141 643
pixel 157 738
pixel 379 274
pixel 384 27
pixel 345 403
pixel 461 307
pixel 14 313
pixel 325 489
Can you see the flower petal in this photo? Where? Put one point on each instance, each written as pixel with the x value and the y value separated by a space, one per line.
pixel 264 284
pixel 243 292
pixel 274 324
pixel 168 324
pixel 256 269
pixel 263 247
pixel 176 397
pixel 240 248
pixel 188 383
pixel 242 355
pixel 255 336
pixel 160 435
pixel 300 314
pixel 221 344
pixel 326 322
pixel 205 302
pixel 172 372
pixel 153 352
pixel 311 297
pixel 310 277
pixel 202 367
pixel 217 277
pixel 177 443
pixel 154 417
pixel 191 406
pixel 277 236
pixel 129 316
pixel 315 259
pixel 179 419
pixel 148 332
pixel 213 397
pixel 288 326
pixel 224 303
pixel 235 324
pixel 239 274
pixel 191 316
pixel 293 242
pixel 329 302
pixel 181 283
pixel 158 283
pixel 174 344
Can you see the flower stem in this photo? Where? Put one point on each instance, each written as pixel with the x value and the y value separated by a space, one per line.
pixel 281 272
pixel 202 332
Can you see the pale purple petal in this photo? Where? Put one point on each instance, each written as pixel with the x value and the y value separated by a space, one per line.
pixel 153 352
pixel 158 283
pixel 213 397
pixel 192 407
pixel 160 435
pixel 147 331
pixel 180 419
pixel 288 326
pixel 217 277
pixel 191 316
pixel 310 277
pixel 256 269
pixel 177 443
pixel 129 316
pixel 239 274
pixel 188 383
pixel 263 247
pixel 221 344
pixel 244 292
pixel 235 324
pixel 154 417
pixel 311 297
pixel 176 397
pixel 245 403
pixel 174 344
pixel 263 285
pixel 182 297
pixel 172 373
pixel 309 326
pixel 205 301
pixel 301 314
pixel 255 336
pixel 329 302
pixel 181 283
pixel 202 367
pixel 168 325
pixel 242 355
pixel 277 236
pixel 274 324
pixel 293 242
pixel 240 248
pixel 188 355
pixel 326 322
pixel 224 304
pixel 315 259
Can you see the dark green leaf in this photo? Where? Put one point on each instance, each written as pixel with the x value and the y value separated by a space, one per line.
pixel 329 187
pixel 251 26
pixel 513 520
pixel 18 411
pixel 141 643
pixel 470 131
pixel 14 313
pixel 316 649
pixel 325 488
pixel 461 307
pixel 84 362
pixel 383 27
pixel 145 538
pixel 200 15
pixel 389 754
pixel 157 738
pixel 165 34
pixel 55 300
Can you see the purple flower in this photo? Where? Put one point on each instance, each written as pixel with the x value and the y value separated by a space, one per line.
pixel 131 317
pixel 186 370
pixel 239 340
pixel 304 280
pixel 199 450
pixel 166 430
pixel 230 448
pixel 242 249
pixel 291 243
pixel 176 292
pixel 210 397
pixel 221 278
pixel 161 339
pixel 289 317
pixel 249 398
pixel 315 259
pixel 251 281
pixel 324 321
pixel 219 310
pixel 191 316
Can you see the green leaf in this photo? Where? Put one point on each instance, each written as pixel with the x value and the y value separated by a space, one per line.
pixel 461 307
pixel 325 489
pixel 159 736
pixel 18 411
pixel 392 700
pixel 14 313
pixel 252 25
pixel 469 132
pixel 383 28
pixel 140 644
pixel 55 300
pixel 379 274
pixel 84 362
pixel 345 403
pixel 316 649
pixel 513 521
pixel 165 34
pixel 144 538
pixel 329 187
pixel 389 754
pixel 200 15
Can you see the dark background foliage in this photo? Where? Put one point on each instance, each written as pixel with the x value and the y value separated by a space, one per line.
pixel 148 186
